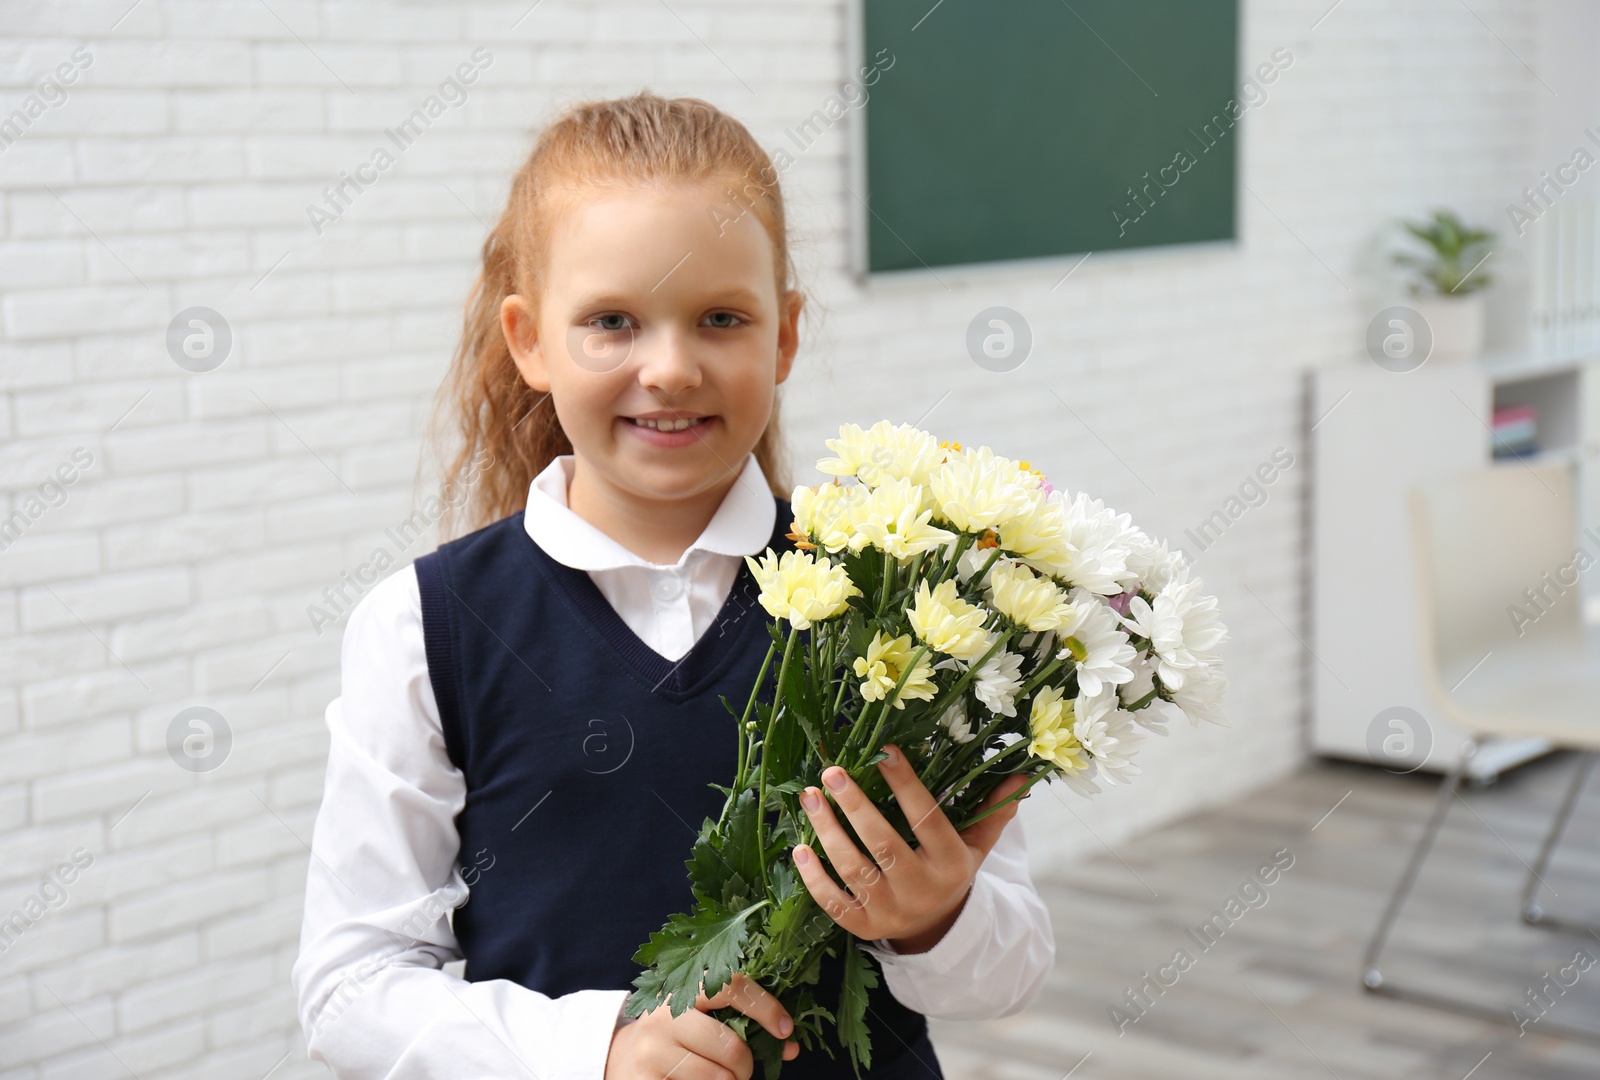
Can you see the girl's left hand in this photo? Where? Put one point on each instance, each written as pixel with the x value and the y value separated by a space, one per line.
pixel 909 896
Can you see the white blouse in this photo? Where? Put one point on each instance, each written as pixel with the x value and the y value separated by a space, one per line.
pixel 386 869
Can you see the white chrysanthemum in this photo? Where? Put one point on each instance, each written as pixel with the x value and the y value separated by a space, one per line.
pixel 883 452
pixel 948 623
pixel 996 682
pixel 1201 696
pixel 1096 546
pixel 955 721
pixel 972 560
pixel 895 517
pixel 1182 626
pixel 1028 599
pixel 1095 641
pixel 800 588
pixel 1143 680
pixel 1150 563
pixel 1108 733
pixel 976 490
pixel 1082 782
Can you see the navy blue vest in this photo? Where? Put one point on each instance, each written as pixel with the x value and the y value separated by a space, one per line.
pixel 588 758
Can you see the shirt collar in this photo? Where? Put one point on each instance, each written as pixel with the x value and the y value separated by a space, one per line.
pixel 742 525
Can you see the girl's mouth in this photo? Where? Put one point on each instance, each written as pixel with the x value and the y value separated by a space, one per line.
pixel 684 431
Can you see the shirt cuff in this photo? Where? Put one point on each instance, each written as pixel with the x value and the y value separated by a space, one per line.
pixel 971 930
pixel 590 1018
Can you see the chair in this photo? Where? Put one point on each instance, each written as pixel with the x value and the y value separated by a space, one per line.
pixel 1478 541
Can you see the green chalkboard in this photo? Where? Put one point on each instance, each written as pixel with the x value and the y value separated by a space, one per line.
pixel 1014 129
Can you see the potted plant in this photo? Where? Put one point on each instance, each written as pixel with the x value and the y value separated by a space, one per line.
pixel 1447 282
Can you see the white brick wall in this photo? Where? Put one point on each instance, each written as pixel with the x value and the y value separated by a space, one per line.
pixel 178 571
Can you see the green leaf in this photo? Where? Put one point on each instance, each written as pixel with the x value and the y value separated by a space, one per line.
pixel 741 847
pixel 709 873
pixel 859 977
pixel 767 1049
pixel 691 952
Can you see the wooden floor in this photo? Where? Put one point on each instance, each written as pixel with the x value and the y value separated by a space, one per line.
pixel 1276 995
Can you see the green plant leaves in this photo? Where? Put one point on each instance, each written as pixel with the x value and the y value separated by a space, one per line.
pixel 692 951
pixel 1457 253
pixel 859 977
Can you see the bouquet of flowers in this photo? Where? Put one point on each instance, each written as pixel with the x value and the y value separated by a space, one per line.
pixel 951 602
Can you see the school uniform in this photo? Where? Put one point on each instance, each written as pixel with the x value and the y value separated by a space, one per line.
pixel 530 720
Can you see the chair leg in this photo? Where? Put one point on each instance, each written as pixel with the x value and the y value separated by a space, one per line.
pixel 1373 979
pixel 1371 973
pixel 1533 912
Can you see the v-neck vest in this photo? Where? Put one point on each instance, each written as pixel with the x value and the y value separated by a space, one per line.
pixel 589 759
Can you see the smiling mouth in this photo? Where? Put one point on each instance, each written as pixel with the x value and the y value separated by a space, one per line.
pixel 680 424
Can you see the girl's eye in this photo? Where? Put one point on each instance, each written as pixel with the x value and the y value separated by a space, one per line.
pixel 717 315
pixel 610 323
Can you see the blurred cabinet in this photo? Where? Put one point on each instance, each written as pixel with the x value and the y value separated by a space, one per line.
pixel 1374 434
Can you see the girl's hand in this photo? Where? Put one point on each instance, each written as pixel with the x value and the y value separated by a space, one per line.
pixel 909 896
pixel 695 1046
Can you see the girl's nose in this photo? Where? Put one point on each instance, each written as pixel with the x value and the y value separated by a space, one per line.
pixel 667 362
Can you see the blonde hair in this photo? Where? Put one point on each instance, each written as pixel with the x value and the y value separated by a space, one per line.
pixel 506 432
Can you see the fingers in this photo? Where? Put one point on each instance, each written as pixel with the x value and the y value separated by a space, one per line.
pixel 709 1046
pixel 756 1002
pixel 880 839
pixel 841 907
pixel 983 835
pixel 938 837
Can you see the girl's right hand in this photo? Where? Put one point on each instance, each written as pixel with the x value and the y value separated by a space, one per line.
pixel 695 1046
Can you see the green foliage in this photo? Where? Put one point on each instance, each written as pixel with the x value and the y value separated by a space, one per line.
pixel 692 951
pixel 858 979
pixel 1456 250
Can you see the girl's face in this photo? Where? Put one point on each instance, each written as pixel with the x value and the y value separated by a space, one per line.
pixel 656 309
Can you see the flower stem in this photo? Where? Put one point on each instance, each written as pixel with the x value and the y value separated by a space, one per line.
pixel 966 676
pixel 1020 793
pixel 962 542
pixel 984 766
pixel 993 555
pixel 888 702
pixel 747 737
pixel 1040 676
pixel 964 754
pixel 1142 702
pixel 761 780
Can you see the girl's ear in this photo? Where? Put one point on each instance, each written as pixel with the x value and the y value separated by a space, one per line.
pixel 522 339
pixel 789 333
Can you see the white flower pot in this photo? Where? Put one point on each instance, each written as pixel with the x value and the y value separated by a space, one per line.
pixel 1457 323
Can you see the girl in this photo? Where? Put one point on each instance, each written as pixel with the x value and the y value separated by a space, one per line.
pixel 530 718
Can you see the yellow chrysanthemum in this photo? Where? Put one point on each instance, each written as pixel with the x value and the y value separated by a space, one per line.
pixel 1037 533
pixel 976 490
pixel 824 513
pixel 1023 597
pixel 948 623
pixel 895 517
pixel 1050 722
pixel 883 452
pixel 798 587
pixel 881 668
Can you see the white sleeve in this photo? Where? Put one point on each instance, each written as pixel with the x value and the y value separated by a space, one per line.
pixel 994 959
pixel 384 874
